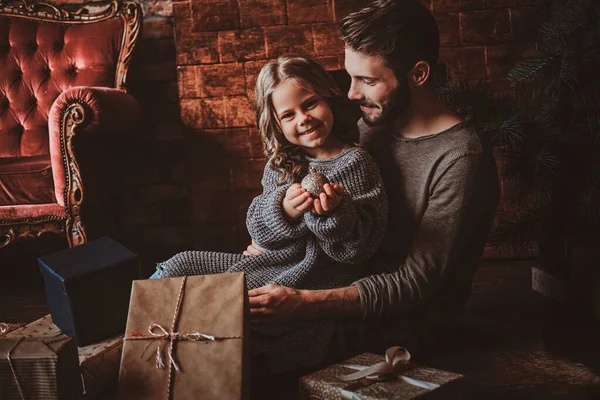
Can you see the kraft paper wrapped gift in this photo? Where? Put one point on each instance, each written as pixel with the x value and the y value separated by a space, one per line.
pixel 373 377
pixel 186 338
pixel 39 368
pixel 99 362
pixel 88 288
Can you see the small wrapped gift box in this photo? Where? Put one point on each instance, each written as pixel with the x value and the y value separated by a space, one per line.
pixel 39 368
pixel 88 288
pixel 99 362
pixel 186 339
pixel 373 377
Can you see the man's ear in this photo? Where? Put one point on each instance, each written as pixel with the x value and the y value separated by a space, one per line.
pixel 420 73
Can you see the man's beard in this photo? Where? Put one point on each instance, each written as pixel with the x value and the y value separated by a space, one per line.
pixel 390 110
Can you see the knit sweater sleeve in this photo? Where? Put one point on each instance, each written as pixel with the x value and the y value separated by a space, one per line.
pixel 353 232
pixel 442 235
pixel 266 222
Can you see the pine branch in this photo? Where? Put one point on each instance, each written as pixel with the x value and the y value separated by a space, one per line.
pixel 584 193
pixel 552 142
pixel 510 132
pixel 528 68
pixel 566 26
pixel 568 73
pixel 532 171
pixel 518 174
pixel 463 97
pixel 564 79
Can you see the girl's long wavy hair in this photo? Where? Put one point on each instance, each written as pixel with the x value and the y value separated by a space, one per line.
pixel 306 73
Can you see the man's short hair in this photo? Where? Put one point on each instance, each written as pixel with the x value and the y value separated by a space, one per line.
pixel 402 32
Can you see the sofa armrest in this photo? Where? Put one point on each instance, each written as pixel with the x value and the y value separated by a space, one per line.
pixel 82 111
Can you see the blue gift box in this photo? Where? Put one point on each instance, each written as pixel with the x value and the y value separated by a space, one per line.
pixel 88 288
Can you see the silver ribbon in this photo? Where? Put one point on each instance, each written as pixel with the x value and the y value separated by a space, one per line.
pixel 395 358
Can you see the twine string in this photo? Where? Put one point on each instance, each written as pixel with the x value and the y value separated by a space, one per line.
pixel 158 332
pixel 14 371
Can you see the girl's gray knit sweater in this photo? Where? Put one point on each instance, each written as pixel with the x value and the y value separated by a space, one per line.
pixel 315 252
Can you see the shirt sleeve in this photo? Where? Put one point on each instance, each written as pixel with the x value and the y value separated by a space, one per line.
pixel 441 237
pixel 266 221
pixel 353 232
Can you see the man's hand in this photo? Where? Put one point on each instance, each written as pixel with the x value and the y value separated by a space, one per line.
pixel 253 249
pixel 275 303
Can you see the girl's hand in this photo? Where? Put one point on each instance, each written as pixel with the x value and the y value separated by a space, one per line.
pixel 296 202
pixel 253 249
pixel 330 200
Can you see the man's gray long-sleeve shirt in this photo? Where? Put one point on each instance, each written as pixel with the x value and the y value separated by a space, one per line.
pixel 443 192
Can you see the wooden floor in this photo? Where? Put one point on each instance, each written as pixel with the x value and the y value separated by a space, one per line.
pixel 511 343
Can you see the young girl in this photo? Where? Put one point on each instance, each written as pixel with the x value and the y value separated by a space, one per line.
pixel 311 243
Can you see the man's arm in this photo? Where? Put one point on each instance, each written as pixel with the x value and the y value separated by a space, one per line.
pixel 455 208
pixel 444 231
pixel 273 302
pixel 439 238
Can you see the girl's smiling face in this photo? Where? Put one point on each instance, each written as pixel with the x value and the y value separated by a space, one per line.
pixel 306 119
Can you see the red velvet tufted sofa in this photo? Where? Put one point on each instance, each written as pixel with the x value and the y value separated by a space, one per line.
pixel 63 108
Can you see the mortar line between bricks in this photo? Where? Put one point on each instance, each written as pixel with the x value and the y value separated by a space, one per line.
pixel 219 47
pixel 333 11
pixel 512 36
pixel 245 80
pixel 486 64
pixel 266 42
pixel 312 31
pixel 224 110
pixel 239 15
pixel 460 28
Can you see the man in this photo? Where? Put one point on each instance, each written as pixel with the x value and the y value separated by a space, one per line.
pixel 442 187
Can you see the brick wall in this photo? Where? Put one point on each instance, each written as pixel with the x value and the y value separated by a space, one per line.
pixel 221 46
pixel 199 161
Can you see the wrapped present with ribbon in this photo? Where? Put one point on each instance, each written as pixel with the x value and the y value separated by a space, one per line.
pixel 99 362
pixel 38 368
pixel 373 377
pixel 186 339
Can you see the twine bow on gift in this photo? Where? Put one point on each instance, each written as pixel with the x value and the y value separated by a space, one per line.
pixel 395 358
pixel 172 336
pixel 5 327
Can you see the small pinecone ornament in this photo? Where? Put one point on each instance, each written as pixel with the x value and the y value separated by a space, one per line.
pixel 313 182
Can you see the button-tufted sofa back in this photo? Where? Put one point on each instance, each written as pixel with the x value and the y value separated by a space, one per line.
pixel 39 61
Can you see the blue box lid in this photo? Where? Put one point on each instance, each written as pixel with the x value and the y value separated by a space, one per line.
pixel 86 258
